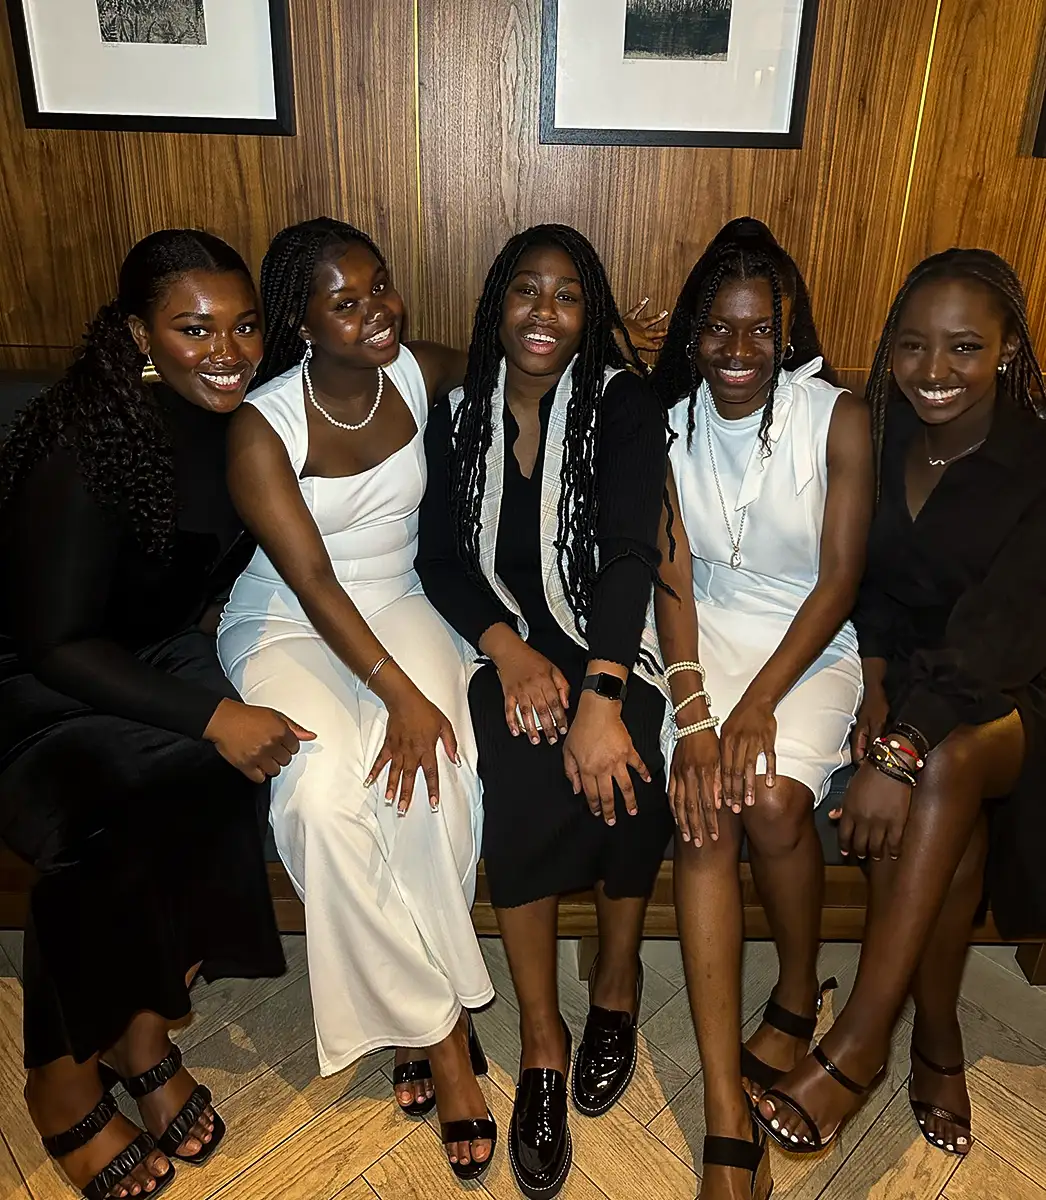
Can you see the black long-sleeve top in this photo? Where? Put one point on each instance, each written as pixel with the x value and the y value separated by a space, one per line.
pixel 80 599
pixel 630 479
pixel 954 599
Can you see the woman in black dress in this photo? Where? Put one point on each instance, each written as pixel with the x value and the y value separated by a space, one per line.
pixel 130 773
pixel 951 732
pixel 538 544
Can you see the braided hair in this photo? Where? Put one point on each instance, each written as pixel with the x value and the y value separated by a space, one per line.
pixel 473 428
pixel 743 249
pixel 1020 385
pixel 287 274
pixel 101 410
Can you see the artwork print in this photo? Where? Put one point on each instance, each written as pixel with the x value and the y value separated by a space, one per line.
pixel 163 22
pixel 678 29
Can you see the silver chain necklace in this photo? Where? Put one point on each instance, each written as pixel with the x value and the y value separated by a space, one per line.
pixel 735 542
pixel 947 462
pixel 305 374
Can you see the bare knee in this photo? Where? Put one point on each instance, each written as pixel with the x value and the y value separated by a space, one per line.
pixel 719 854
pixel 781 816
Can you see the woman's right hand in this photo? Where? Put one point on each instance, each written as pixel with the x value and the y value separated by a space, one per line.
pixel 532 685
pixel 695 786
pixel 871 719
pixel 258 741
pixel 414 728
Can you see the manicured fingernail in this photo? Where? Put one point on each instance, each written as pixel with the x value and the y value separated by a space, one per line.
pixel 715 837
pixel 457 760
pixel 611 821
pixel 534 741
pixel 686 837
pixel 632 812
pixel 552 740
pixel 663 315
pixel 434 805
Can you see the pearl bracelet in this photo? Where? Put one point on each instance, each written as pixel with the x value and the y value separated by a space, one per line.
pixel 696 696
pixel 675 668
pixel 699 727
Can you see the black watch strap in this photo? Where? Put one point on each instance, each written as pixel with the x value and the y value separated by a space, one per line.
pixel 610 687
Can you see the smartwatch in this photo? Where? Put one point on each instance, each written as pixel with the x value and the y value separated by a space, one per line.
pixel 610 687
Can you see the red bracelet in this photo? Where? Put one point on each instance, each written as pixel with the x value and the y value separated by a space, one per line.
pixel 894 745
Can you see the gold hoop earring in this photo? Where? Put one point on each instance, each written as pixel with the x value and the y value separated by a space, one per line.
pixel 149 371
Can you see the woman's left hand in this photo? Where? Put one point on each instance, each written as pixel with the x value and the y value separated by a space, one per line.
pixel 750 730
pixel 873 814
pixel 643 330
pixel 598 753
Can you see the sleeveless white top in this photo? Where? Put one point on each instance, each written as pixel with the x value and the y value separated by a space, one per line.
pixel 368 522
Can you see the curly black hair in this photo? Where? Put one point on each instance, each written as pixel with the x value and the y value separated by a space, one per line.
pixel 101 410
pixel 743 249
pixel 473 422
pixel 287 273
pixel 1022 383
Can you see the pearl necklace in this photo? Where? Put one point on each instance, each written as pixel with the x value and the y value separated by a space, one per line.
pixel 735 557
pixel 319 407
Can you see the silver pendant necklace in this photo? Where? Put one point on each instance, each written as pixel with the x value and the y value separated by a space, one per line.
pixel 947 462
pixel 735 542
pixel 305 374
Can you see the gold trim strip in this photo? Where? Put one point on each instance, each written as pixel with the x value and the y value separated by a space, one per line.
pixel 915 140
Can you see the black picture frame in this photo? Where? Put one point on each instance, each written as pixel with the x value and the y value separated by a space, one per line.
pixel 282 125
pixel 790 140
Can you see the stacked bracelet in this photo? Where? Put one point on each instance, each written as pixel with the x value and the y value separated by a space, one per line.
pixel 694 696
pixel 698 727
pixel 887 760
pixel 675 668
pixel 918 740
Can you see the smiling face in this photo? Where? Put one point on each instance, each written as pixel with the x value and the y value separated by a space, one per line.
pixel 543 312
pixel 735 349
pixel 952 337
pixel 204 337
pixel 354 313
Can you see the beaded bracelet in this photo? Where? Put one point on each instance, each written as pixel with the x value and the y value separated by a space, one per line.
pixel 695 696
pixel 675 668
pixel 913 735
pixel 886 762
pixel 699 727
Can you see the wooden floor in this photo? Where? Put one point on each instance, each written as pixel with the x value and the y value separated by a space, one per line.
pixel 295 1136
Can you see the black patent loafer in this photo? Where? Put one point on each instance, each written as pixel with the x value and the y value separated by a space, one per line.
pixel 539 1146
pixel 606 1057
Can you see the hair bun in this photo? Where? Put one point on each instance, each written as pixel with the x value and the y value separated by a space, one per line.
pixel 745 229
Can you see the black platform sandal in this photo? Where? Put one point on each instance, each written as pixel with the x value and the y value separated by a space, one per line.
pixel 472 1129
pixel 819 1142
pixel 782 1019
pixel 744 1155
pixel 179 1129
pixel 924 1110
pixel 421 1068
pixel 60 1145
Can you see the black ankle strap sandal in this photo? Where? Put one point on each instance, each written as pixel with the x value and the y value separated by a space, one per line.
pixel 801 1028
pixel 742 1154
pixel 924 1111
pixel 421 1068
pixel 118 1169
pixel 179 1129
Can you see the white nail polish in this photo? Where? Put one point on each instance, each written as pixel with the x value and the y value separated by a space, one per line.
pixel 795 1139
pixel 949 1147
pixel 775 1123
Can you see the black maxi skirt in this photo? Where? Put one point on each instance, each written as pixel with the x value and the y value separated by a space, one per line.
pixel 149 848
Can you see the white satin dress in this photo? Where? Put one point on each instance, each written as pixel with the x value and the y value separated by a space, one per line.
pixel 391 948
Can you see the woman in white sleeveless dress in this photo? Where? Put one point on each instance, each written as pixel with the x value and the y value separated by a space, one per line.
pixel 771 486
pixel 329 622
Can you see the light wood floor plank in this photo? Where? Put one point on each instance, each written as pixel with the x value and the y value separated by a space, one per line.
pixel 983 1174
pixel 995 990
pixel 1003 1054
pixel 892 1161
pixel 1007 1125
pixel 359 1189
pixel 11 944
pixel 663 956
pixel 12 1185
pixel 417 1169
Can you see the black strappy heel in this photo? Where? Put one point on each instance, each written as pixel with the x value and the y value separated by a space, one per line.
pixel 411 1072
pixel 923 1110
pixel 742 1154
pixel 819 1142
pixel 801 1028
pixel 60 1145
pixel 179 1129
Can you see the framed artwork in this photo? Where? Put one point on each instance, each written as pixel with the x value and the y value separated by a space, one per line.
pixel 169 66
pixel 676 72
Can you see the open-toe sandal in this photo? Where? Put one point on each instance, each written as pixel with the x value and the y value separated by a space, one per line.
pixel 785 1021
pixel 119 1169
pixel 818 1141
pixel 138 1086
pixel 924 1111
pixel 472 1129
pixel 411 1072
pixel 745 1156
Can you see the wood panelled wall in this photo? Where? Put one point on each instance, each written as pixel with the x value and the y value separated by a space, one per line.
pixel 418 121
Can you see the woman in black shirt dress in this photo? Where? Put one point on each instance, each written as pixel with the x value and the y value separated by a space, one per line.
pixel 130 773
pixel 952 733
pixel 538 543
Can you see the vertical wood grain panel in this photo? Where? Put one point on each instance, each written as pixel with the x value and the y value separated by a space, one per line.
pixel 72 203
pixel 972 186
pixel 836 203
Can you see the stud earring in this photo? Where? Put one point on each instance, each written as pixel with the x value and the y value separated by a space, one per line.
pixel 1003 368
pixel 149 371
